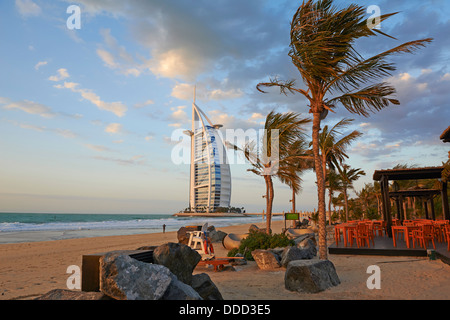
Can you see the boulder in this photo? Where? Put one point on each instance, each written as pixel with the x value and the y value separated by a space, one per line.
pixel 203 284
pixel 294 253
pixel 125 278
pixel 65 294
pixel 183 235
pixel 309 245
pixel 266 259
pixel 180 259
pixel 310 276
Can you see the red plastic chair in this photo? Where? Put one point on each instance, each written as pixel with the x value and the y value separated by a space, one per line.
pixel 362 235
pixel 423 236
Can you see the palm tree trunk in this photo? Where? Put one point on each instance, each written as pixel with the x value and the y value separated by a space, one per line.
pixel 293 201
pixel 323 254
pixel 269 202
pixel 346 203
pixel 330 195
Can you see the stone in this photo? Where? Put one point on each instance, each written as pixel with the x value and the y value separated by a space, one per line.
pixel 310 276
pixel 294 253
pixel 203 284
pixel 65 294
pixel 266 259
pixel 125 278
pixel 183 235
pixel 180 259
pixel 309 245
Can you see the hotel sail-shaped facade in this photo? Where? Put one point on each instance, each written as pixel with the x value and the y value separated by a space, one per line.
pixel 210 182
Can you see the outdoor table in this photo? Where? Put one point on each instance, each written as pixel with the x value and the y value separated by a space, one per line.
pixel 406 231
pixel 345 227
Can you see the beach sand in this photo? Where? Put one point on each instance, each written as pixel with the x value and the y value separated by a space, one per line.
pixel 28 270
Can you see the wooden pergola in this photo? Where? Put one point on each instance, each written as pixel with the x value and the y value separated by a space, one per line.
pixel 384 176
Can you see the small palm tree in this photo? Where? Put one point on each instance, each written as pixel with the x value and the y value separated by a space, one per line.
pixel 292 170
pixel 284 134
pixel 322 49
pixel 348 176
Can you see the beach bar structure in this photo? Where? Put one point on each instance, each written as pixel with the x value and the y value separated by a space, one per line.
pixel 384 176
pixel 210 176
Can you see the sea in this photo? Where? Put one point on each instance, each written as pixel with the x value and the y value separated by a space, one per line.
pixel 30 227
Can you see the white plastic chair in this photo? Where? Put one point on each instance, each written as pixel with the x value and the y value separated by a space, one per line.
pixel 196 238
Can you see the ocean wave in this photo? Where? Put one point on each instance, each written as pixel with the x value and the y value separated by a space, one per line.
pixel 172 224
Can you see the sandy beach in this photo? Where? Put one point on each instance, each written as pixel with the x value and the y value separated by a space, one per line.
pixel 30 269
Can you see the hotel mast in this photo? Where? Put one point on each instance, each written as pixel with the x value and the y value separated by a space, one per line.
pixel 210 183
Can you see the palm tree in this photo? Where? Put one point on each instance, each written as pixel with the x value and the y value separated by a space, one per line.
pixel 333 183
pixel 348 176
pixel 282 131
pixel 332 151
pixel 322 49
pixel 292 170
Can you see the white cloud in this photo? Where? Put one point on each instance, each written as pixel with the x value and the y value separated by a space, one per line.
pixel 28 8
pixel 62 74
pixel 144 104
pixel 184 91
pixel 114 128
pixel 31 107
pixel 118 108
pixel 117 57
pixel 98 148
pixel 40 64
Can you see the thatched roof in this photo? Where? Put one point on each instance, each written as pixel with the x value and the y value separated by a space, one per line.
pixel 445 136
pixel 409 173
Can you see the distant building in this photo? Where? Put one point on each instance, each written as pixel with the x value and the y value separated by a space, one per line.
pixel 210 182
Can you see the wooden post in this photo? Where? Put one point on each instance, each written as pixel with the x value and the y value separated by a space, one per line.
pixel 386 205
pixel 444 196
pixel 425 206
pixel 433 216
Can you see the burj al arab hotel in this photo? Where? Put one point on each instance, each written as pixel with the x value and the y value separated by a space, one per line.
pixel 210 182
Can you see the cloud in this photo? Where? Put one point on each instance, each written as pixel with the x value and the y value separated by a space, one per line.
pixel 184 91
pixel 118 108
pixel 134 160
pixel 30 107
pixel 98 148
pixel 66 133
pixel 116 56
pixel 40 64
pixel 114 128
pixel 28 8
pixel 144 104
pixel 62 74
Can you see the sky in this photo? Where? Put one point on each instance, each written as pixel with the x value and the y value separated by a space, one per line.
pixel 88 112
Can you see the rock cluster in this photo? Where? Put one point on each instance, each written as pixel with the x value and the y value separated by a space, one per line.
pixel 303 272
pixel 168 278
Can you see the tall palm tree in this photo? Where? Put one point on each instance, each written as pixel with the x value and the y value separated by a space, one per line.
pixel 322 49
pixel 282 131
pixel 348 176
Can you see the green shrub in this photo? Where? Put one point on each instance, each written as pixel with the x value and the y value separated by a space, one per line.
pixel 260 240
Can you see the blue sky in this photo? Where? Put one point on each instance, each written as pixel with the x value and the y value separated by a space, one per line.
pixel 86 115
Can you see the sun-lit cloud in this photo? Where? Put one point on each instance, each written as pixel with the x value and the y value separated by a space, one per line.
pixel 40 64
pixel 32 108
pixel 144 104
pixel 118 108
pixel 62 74
pixel 28 8
pixel 114 128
